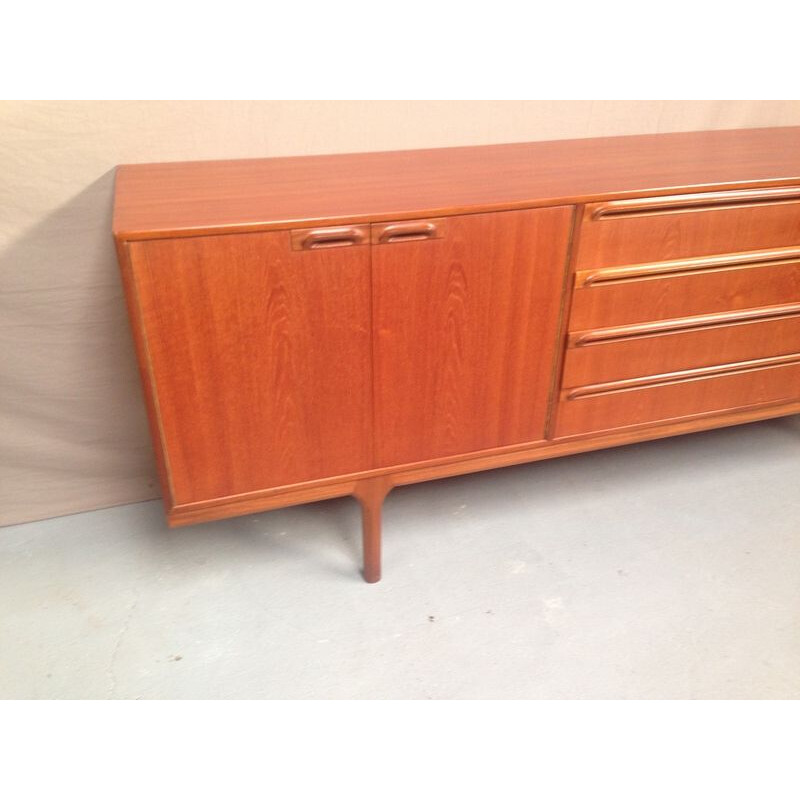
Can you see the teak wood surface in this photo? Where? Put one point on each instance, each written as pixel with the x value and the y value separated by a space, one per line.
pixel 607 407
pixel 183 199
pixel 321 326
pixel 260 358
pixel 656 353
pixel 465 334
pixel 692 231
pixel 667 296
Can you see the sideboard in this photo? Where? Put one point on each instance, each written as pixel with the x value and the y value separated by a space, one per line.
pixel 320 326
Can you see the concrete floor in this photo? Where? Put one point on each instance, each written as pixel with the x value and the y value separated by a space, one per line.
pixel 667 569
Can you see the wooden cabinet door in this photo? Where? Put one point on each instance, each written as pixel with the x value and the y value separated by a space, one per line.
pixel 259 360
pixel 465 312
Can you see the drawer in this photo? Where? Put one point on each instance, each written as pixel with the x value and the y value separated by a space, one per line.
pixel 611 354
pixel 645 292
pixel 662 398
pixel 623 232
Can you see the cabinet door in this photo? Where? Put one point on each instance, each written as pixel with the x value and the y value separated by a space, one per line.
pixel 466 312
pixel 259 357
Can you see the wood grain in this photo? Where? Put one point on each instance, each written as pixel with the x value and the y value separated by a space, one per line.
pixel 465 334
pixel 260 359
pixel 179 199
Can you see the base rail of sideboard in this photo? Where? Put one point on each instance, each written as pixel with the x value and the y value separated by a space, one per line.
pixel 370 488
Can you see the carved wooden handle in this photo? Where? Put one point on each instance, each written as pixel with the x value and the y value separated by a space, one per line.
pixel 696 323
pixel 317 238
pixel 681 376
pixel 664 269
pixel 407 231
pixel 689 202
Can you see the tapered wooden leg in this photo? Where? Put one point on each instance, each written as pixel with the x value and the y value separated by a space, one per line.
pixel 371 494
pixel 371 516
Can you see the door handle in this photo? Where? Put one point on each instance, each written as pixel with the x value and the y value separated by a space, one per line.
pixel 407 231
pixel 318 238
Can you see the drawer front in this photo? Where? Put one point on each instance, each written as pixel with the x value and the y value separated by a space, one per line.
pixel 611 354
pixel 605 407
pixel 685 288
pixel 681 226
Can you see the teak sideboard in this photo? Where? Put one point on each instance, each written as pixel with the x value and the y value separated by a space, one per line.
pixel 320 326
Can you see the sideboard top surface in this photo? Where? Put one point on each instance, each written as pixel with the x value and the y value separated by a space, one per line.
pixel 189 198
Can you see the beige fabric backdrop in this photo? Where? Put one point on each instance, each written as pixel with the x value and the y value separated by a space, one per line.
pixel 73 434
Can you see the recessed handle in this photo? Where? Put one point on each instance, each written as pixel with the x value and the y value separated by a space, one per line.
pixel 407 231
pixel 697 323
pixel 666 269
pixel 702 201
pixel 319 238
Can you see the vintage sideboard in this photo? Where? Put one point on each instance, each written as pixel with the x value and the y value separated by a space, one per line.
pixel 320 326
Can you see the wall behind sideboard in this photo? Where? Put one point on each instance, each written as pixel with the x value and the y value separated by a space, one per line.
pixel 73 433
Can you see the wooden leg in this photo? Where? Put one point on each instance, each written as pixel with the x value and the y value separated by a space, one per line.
pixel 371 494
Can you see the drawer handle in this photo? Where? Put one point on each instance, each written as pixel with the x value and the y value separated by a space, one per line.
pixel 682 324
pixel 650 381
pixel 407 231
pixel 691 202
pixel 320 238
pixel 663 269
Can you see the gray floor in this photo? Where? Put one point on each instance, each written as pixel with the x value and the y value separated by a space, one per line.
pixel 662 570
